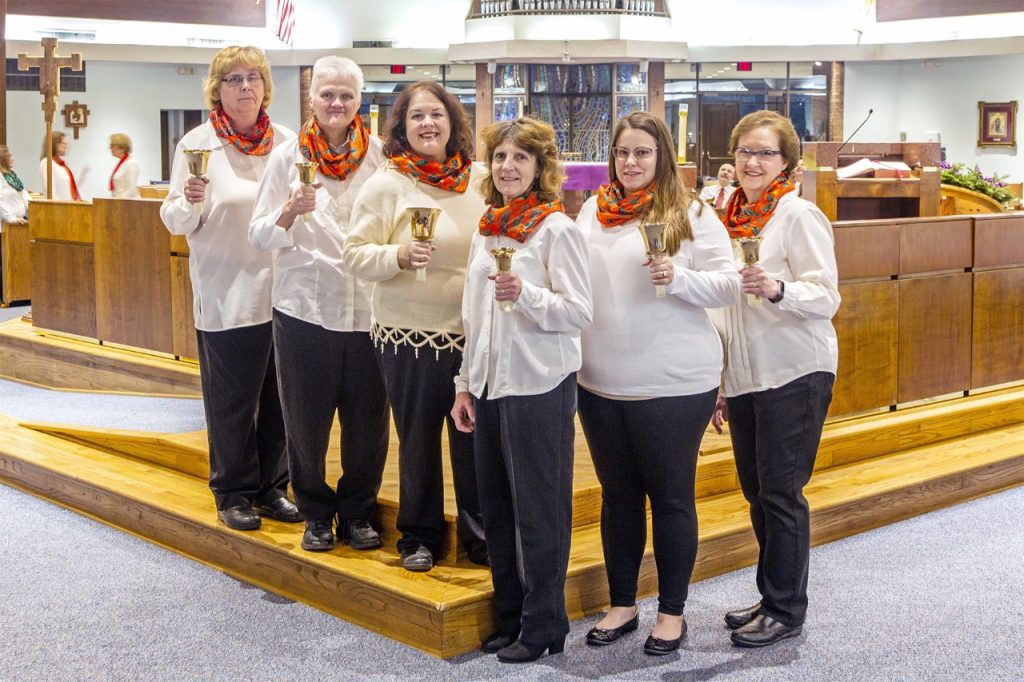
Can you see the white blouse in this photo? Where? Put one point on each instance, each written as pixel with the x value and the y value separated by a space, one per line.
pixel 770 345
pixel 61 181
pixel 534 347
pixel 231 279
pixel 311 282
pixel 126 180
pixel 13 204
pixel 642 346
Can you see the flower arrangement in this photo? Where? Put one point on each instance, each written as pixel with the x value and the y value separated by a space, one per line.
pixel 960 175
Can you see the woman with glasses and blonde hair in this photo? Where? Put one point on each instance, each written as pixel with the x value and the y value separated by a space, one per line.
pixel 124 181
pixel 517 385
pixel 651 367
pixel 231 286
pixel 13 195
pixel 781 357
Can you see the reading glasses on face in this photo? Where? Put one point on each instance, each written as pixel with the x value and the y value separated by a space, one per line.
pixel 237 80
pixel 745 154
pixel 639 153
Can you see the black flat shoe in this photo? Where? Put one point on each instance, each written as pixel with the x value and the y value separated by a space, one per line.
pixel 655 646
pixel 358 534
pixel 521 652
pixel 605 636
pixel 762 631
pixel 241 517
pixel 280 509
pixel 319 535
pixel 740 617
pixel 418 560
pixel 498 641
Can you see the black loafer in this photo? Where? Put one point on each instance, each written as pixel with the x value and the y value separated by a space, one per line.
pixel 656 646
pixel 762 631
pixel 280 509
pixel 498 641
pixel 358 534
pixel 319 535
pixel 605 636
pixel 740 617
pixel 240 517
pixel 418 560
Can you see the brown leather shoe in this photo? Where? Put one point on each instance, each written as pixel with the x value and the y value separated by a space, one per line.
pixel 762 631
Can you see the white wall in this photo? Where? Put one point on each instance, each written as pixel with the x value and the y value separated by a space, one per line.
pixel 941 95
pixel 125 98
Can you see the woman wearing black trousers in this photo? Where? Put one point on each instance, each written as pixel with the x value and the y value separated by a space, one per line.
pixel 782 356
pixel 517 386
pixel 651 368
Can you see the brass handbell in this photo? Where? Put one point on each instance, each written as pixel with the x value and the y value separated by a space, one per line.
pixel 197 160
pixel 503 260
pixel 307 174
pixel 750 252
pixel 422 221
pixel 653 235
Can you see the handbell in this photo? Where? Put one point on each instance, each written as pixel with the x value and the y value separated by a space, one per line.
pixel 422 221
pixel 503 260
pixel 653 235
pixel 750 252
pixel 197 160
pixel 307 174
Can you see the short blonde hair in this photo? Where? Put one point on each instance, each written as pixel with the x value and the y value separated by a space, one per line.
pixel 777 123
pixel 121 140
pixel 228 59
pixel 56 137
pixel 5 155
pixel 537 138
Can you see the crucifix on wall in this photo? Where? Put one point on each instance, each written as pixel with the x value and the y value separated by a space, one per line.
pixel 49 87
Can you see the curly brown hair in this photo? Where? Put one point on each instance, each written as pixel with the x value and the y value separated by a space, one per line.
pixel 461 138
pixel 537 138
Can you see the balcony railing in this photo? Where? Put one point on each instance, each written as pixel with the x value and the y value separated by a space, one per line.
pixel 482 9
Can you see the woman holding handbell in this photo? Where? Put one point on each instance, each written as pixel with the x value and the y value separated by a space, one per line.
pixel 517 386
pixel 781 356
pixel 651 368
pixel 231 283
pixel 417 325
pixel 325 357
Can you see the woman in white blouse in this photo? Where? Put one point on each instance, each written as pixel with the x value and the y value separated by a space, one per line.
pixel 651 368
pixel 517 386
pixel 124 180
pixel 231 283
pixel 13 195
pixel 325 358
pixel 65 185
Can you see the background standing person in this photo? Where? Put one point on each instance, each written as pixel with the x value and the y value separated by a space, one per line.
pixel 716 195
pixel 417 324
pixel 13 195
pixel 231 285
pixel 325 358
pixel 644 405
pixel 65 186
pixel 781 361
pixel 124 181
pixel 517 386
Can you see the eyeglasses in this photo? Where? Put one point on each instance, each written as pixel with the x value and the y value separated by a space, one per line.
pixel 744 154
pixel 236 80
pixel 639 153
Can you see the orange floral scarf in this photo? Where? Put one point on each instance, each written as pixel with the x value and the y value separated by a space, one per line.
pixel 314 147
pixel 614 209
pixel 744 219
pixel 520 218
pixel 452 175
pixel 257 142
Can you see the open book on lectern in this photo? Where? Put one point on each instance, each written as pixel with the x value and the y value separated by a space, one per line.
pixel 870 168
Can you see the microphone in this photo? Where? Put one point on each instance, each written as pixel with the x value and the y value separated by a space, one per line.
pixel 843 145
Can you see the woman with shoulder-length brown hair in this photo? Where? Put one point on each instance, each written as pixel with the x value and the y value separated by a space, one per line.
pixel 517 386
pixel 65 185
pixel 781 357
pixel 651 367
pixel 417 325
pixel 231 286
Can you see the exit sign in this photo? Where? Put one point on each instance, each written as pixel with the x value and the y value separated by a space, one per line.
pixel 744 66
pixel 398 69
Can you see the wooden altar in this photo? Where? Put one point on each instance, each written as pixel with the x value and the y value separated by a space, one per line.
pixel 15 264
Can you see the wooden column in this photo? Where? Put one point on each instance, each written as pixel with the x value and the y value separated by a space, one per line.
pixel 836 97
pixel 656 89
pixel 305 80
pixel 484 105
pixel 3 81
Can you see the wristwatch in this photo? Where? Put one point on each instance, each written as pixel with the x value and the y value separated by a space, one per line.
pixel 782 292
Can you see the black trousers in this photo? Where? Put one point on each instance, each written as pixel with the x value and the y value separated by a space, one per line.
pixel 422 391
pixel 641 449
pixel 775 436
pixel 243 416
pixel 524 458
pixel 322 371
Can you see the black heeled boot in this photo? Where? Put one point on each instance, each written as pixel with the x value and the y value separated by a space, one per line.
pixel 521 652
pixel 498 641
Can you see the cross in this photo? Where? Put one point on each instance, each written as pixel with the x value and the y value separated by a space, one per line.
pixel 49 87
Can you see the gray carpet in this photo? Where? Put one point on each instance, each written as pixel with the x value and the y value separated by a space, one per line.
pixel 934 598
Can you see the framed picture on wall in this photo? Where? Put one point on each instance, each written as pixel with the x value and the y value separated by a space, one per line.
pixel 997 124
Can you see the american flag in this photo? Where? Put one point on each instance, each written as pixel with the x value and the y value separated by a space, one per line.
pixel 285 20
